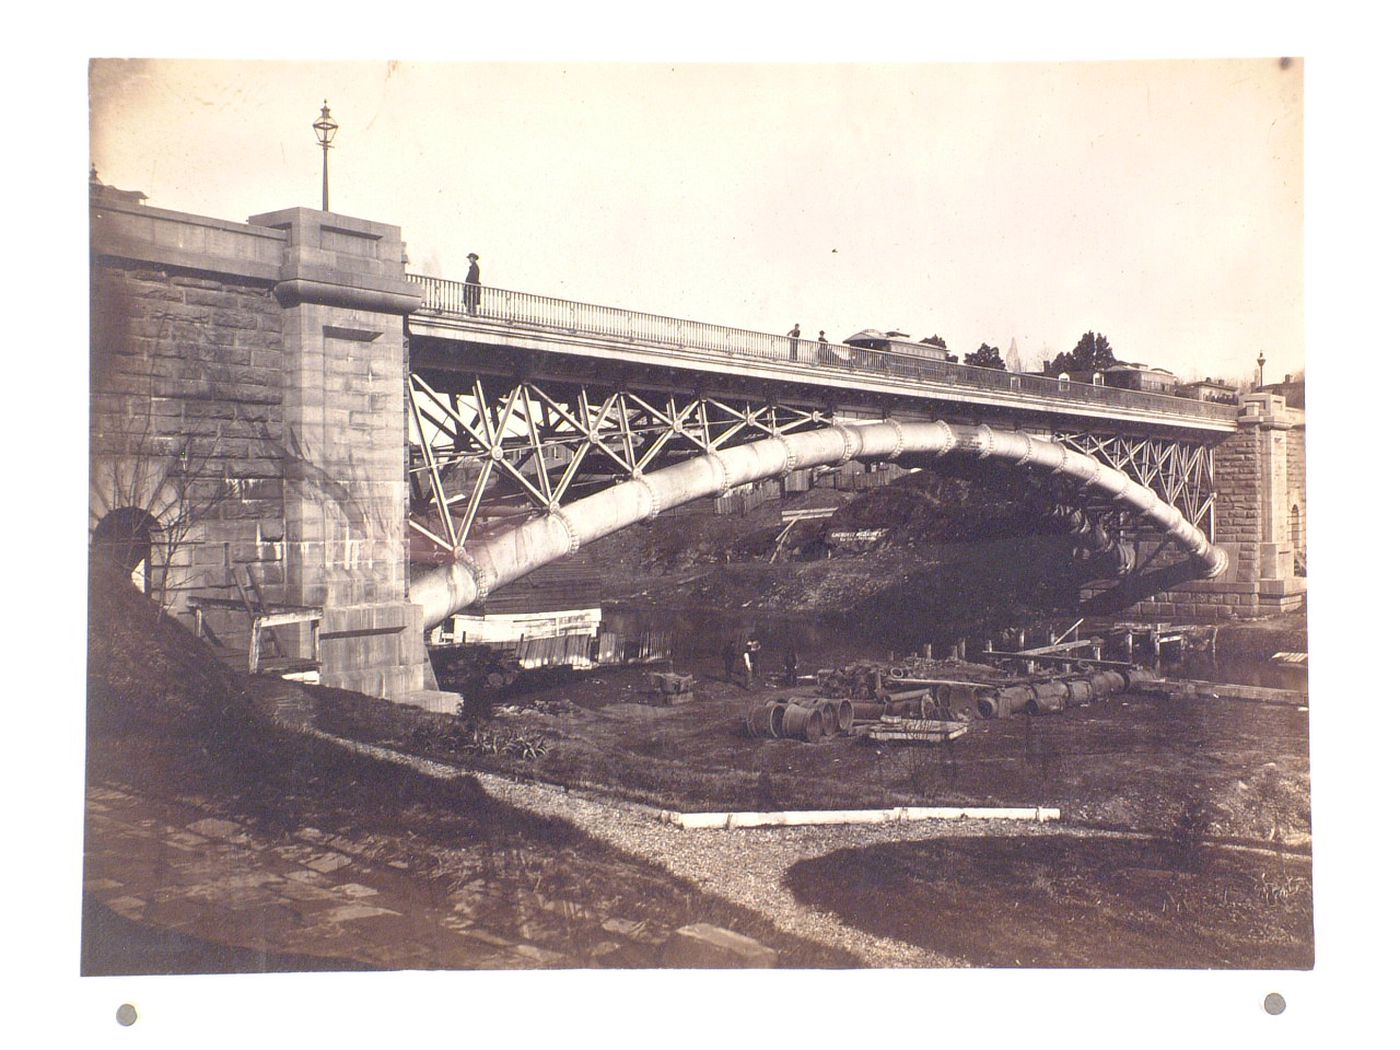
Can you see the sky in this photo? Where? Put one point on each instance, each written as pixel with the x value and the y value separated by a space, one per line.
pixel 1157 202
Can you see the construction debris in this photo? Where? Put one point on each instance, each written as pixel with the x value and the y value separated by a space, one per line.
pixel 672 688
pixel 929 701
pixel 914 730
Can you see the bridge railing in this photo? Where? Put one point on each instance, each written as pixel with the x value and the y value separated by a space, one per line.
pixel 655 330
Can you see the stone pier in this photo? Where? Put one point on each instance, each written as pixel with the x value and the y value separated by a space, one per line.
pixel 247 402
pixel 1260 511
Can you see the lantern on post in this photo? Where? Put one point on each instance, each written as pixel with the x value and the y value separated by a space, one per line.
pixel 325 129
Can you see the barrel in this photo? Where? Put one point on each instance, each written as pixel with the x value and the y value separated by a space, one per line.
pixel 766 720
pixel 961 704
pixel 1137 676
pixel 1049 697
pixel 802 723
pixel 1081 691
pixel 826 711
pixel 1008 700
pixel 1106 683
pixel 993 705
pixel 845 716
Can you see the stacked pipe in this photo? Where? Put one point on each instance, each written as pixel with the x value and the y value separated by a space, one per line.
pixel 1052 695
pixel 801 718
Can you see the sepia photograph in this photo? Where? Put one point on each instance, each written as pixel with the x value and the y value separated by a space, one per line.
pixel 675 519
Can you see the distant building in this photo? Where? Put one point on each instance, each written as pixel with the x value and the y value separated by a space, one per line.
pixel 1128 376
pixel 1209 389
pixel 1013 358
pixel 1077 376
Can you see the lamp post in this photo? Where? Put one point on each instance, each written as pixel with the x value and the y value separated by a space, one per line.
pixel 1260 363
pixel 325 131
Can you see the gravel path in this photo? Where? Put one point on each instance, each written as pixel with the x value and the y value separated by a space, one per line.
pixel 745 866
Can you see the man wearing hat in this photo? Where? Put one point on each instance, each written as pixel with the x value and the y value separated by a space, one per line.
pixel 471 291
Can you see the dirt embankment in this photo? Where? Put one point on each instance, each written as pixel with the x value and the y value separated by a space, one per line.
pixel 167 721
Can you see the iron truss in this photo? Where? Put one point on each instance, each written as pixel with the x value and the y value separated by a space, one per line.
pixel 1183 474
pixel 486 452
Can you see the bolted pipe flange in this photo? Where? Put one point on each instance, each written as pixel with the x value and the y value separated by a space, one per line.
pixel 1118 485
pixel 1029 449
pixel 1063 455
pixel 653 497
pixel 571 533
pixel 947 438
pixel 982 440
pixel 789 455
pixel 481 579
pixel 1092 481
pixel 848 443
pixel 718 463
pixel 898 438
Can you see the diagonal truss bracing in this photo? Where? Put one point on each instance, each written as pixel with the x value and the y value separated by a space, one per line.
pixel 1181 473
pixel 492 451
pixel 487 452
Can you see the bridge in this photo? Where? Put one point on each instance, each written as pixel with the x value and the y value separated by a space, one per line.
pixel 285 418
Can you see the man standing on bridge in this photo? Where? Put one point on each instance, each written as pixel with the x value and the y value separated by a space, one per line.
pixel 471 290
pixel 793 336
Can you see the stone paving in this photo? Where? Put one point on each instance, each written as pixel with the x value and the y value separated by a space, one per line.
pixel 180 865
pixel 172 865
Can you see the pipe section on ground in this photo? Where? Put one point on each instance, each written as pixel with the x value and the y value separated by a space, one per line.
pixel 486 564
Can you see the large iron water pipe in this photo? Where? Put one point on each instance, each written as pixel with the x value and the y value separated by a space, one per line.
pixel 492 562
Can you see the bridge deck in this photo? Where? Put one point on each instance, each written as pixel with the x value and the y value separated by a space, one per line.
pixel 548 326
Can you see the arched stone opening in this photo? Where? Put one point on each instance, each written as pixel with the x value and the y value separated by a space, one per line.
pixel 125 538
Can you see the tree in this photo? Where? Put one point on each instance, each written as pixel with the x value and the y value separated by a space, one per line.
pixel 986 357
pixel 935 340
pixel 1091 354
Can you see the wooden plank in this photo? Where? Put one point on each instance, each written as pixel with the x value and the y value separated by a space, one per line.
pixel 1060 647
pixel 880 733
pixel 280 619
pixel 211 602
pixel 1052 658
pixel 262 607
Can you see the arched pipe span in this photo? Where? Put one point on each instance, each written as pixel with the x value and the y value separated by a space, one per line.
pixel 493 562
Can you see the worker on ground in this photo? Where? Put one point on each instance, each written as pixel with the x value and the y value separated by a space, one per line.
pixel 790 666
pixel 751 649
